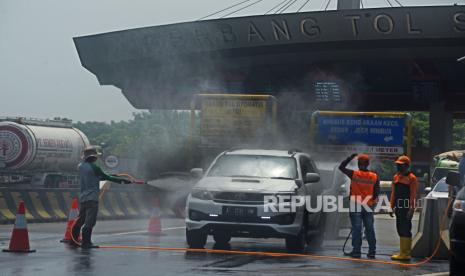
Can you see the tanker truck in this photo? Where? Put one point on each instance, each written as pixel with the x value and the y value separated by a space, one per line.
pixel 39 153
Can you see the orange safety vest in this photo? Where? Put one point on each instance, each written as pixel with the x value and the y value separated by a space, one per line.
pixel 409 180
pixel 363 186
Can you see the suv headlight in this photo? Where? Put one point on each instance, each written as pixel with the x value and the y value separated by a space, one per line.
pixel 202 194
pixel 459 205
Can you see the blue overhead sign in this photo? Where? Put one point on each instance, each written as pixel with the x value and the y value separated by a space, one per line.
pixel 366 130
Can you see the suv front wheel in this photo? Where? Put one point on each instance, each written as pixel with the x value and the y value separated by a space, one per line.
pixel 221 238
pixel 455 267
pixel 196 238
pixel 296 244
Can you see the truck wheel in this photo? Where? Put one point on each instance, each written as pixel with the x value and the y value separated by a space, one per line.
pixel 196 238
pixel 296 244
pixel 221 238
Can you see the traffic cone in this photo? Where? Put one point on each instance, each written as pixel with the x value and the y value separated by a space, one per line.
pixel 72 217
pixel 19 241
pixel 155 219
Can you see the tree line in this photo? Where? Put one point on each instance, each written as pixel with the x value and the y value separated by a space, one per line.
pixel 160 140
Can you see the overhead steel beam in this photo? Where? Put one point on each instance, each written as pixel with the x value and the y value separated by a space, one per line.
pixel 348 4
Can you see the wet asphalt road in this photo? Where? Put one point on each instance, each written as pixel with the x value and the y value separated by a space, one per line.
pixel 54 258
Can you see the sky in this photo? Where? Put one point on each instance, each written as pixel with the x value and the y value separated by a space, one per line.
pixel 40 72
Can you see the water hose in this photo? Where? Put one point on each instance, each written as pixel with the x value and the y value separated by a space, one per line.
pixel 345 242
pixel 311 256
pixel 438 242
pixel 128 176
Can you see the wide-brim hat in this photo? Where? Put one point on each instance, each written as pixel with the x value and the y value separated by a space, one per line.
pixel 90 151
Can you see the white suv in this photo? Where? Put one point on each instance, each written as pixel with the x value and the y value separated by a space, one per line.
pixel 229 199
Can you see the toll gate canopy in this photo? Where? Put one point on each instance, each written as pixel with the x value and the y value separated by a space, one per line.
pixel 380 59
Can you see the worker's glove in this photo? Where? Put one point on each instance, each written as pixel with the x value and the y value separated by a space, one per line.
pixel 391 212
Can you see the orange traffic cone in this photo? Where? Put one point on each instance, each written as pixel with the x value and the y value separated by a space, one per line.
pixel 19 237
pixel 155 219
pixel 72 217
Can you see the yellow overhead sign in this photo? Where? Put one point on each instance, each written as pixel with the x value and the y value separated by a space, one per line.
pixel 234 120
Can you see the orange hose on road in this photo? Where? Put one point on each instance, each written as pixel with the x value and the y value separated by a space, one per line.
pixel 256 253
pixel 273 254
pixel 311 256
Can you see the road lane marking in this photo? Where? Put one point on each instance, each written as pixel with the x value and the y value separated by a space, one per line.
pixel 143 231
pixel 126 233
pixel 173 228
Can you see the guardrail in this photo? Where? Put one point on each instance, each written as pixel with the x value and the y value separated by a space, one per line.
pixel 48 205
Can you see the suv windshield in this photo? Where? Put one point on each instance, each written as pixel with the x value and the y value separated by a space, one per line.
pixel 440 173
pixel 255 166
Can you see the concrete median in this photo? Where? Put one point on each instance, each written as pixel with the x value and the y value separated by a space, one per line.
pixel 430 230
pixel 50 205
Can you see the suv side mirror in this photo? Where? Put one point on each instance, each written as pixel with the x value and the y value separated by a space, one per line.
pixel 453 179
pixel 427 190
pixel 312 178
pixel 197 172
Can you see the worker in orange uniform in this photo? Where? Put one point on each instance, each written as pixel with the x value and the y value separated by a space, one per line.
pixel 364 191
pixel 403 200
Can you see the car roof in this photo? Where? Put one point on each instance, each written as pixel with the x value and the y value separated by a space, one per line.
pixel 282 153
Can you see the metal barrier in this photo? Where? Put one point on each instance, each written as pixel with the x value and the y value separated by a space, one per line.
pixel 49 205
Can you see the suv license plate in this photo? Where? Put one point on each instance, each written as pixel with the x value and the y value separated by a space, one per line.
pixel 239 211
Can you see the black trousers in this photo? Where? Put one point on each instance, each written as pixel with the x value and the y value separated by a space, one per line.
pixel 86 221
pixel 403 223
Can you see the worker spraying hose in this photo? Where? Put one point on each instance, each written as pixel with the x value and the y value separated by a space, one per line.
pixel 364 190
pixel 90 175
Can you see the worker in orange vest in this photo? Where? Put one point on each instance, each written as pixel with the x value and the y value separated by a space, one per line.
pixel 364 191
pixel 403 200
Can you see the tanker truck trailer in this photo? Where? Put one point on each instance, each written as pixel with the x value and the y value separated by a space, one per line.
pixel 41 153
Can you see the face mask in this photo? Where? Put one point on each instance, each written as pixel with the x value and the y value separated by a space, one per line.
pixel 401 168
pixel 363 165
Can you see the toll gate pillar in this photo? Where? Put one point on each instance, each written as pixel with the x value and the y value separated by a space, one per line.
pixel 348 4
pixel 441 126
